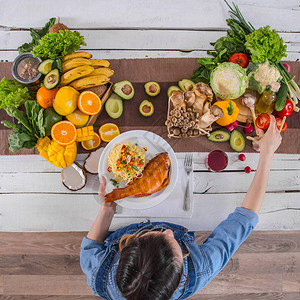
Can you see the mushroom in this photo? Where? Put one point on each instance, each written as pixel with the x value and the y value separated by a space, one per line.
pixel 210 116
pixel 176 131
pixel 249 100
pixel 177 99
pixel 92 161
pixel 203 92
pixel 206 107
pixel 73 177
pixel 189 98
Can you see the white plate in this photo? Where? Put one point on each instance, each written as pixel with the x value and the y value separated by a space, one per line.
pixel 155 144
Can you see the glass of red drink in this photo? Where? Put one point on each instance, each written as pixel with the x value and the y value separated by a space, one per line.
pixel 216 161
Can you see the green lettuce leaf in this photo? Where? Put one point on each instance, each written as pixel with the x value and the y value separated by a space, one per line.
pixel 57 45
pixel 12 93
pixel 265 44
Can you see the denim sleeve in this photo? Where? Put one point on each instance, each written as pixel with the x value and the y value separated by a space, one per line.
pixel 227 237
pixel 91 257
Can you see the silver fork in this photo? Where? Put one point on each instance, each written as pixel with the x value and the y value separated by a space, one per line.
pixel 188 167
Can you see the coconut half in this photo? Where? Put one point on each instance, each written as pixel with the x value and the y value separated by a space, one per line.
pixel 73 177
pixel 92 161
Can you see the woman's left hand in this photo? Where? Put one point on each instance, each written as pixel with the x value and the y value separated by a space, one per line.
pixel 101 193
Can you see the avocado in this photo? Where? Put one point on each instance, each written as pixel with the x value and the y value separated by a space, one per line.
pixel 50 118
pixel 51 79
pixel 186 85
pixel 172 89
pixel 219 136
pixel 237 141
pixel 114 106
pixel 146 108
pixel 124 89
pixel 45 66
pixel 152 88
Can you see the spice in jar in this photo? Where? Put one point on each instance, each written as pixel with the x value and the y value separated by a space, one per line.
pixel 27 68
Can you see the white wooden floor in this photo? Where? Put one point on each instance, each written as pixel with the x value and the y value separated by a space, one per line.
pixel 32 197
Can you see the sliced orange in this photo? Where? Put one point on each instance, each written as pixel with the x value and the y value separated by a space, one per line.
pixel 93 143
pixel 89 103
pixel 64 133
pixel 108 131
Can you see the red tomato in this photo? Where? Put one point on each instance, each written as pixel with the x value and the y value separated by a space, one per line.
pixel 240 59
pixel 262 121
pixel 278 123
pixel 287 110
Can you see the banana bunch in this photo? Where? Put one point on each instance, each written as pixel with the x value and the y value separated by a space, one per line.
pixel 82 72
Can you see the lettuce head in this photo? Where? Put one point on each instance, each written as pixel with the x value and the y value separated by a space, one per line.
pixel 229 80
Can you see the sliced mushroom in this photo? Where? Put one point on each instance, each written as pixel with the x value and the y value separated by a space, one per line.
pixel 177 98
pixel 189 98
pixel 73 177
pixel 198 104
pixel 203 92
pixel 206 107
pixel 92 161
pixel 210 116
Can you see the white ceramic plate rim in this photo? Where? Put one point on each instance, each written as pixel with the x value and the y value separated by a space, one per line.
pixel 156 142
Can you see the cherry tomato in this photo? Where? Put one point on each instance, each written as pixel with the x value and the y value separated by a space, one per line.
pixel 278 123
pixel 240 59
pixel 287 110
pixel 262 121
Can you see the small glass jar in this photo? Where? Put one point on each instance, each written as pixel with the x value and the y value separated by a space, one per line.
pixel 25 69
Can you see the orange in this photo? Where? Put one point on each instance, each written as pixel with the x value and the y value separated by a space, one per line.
pixel 108 131
pixel 93 143
pixel 64 133
pixel 89 103
pixel 45 97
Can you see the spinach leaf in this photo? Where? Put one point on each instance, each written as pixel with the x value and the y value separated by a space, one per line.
pixel 30 144
pixel 10 125
pixel 36 36
pixel 21 117
pixel 40 123
pixel 32 110
pixel 16 140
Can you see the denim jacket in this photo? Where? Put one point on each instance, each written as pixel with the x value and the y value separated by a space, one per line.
pixel 99 260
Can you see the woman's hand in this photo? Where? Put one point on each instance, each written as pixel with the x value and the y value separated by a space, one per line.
pixel 101 193
pixel 106 213
pixel 271 140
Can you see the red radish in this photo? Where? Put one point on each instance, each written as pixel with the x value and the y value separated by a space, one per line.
pixel 248 128
pixel 232 126
pixel 242 157
pixel 287 67
pixel 247 170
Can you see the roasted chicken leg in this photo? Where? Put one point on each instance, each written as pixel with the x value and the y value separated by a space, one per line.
pixel 154 178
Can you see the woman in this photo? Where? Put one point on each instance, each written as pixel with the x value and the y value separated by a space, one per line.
pixel 162 260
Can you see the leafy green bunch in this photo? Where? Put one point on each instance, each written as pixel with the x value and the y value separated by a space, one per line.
pixel 57 45
pixel 12 93
pixel 30 126
pixel 36 36
pixel 265 44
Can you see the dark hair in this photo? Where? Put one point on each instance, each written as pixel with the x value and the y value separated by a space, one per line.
pixel 148 268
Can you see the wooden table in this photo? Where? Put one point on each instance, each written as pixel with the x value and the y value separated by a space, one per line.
pixel 32 198
pixel 30 186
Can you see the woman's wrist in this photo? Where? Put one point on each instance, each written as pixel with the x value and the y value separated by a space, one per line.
pixel 107 210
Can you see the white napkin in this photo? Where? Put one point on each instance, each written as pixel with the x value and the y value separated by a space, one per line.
pixel 171 207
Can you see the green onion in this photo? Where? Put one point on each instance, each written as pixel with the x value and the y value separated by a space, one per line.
pixel 136 168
